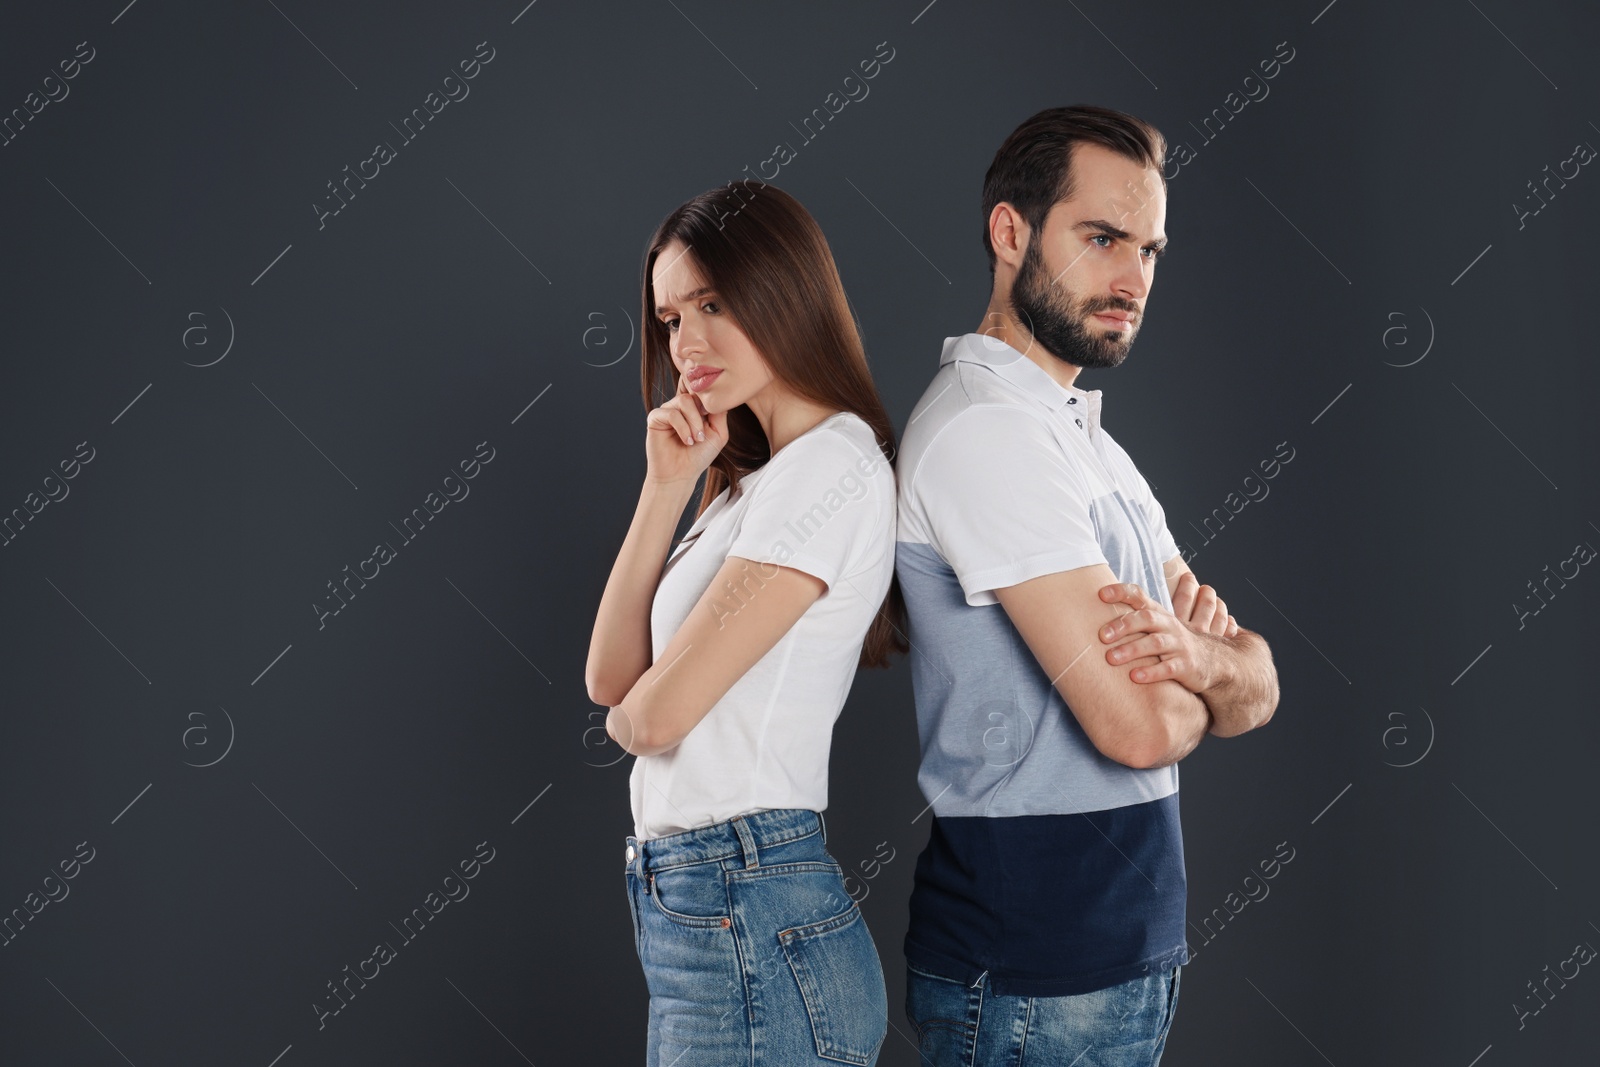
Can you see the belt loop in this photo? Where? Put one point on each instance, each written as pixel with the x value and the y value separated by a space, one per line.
pixel 747 841
pixel 824 823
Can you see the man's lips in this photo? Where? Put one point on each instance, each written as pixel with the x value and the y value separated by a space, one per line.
pixel 1117 320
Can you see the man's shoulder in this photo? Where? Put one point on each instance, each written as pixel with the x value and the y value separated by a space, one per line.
pixel 966 402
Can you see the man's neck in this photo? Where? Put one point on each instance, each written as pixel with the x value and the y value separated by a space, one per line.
pixel 999 324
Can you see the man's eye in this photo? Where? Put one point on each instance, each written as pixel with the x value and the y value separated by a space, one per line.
pixel 1155 253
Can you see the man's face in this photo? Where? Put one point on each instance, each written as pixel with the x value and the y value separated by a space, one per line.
pixel 1086 275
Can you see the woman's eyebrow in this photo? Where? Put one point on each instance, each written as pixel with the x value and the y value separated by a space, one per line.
pixel 697 294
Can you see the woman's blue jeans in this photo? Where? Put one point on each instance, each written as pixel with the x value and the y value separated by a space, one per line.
pixel 753 951
pixel 1124 1025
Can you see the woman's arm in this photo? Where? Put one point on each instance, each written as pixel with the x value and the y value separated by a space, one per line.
pixel 745 611
pixel 620 647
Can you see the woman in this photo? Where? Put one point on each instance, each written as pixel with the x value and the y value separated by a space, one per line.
pixel 725 670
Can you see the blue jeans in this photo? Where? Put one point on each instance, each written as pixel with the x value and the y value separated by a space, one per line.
pixel 753 951
pixel 1124 1025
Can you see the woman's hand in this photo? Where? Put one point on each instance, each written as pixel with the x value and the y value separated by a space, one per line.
pixel 682 438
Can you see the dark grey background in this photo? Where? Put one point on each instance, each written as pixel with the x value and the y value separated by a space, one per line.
pixel 485 288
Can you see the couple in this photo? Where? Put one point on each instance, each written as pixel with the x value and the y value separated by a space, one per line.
pixel 1064 657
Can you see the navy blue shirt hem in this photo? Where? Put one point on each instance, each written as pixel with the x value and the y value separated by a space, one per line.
pixel 1004 983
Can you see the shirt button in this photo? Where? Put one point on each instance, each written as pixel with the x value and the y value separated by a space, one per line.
pixel 1078 421
pixel 1072 400
pixel 630 853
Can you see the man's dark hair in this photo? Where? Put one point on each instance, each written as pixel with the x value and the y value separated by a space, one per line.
pixel 1032 171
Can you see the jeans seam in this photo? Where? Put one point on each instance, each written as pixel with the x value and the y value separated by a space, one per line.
pixel 977 1027
pixel 1027 1020
pixel 745 874
pixel 850 914
pixel 936 977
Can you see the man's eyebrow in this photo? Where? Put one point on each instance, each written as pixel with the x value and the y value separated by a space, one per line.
pixel 697 294
pixel 1111 230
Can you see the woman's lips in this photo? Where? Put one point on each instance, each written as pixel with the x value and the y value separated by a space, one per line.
pixel 701 382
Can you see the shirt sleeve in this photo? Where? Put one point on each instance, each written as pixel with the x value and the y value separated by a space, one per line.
pixel 1166 545
pixel 1002 503
pixel 823 509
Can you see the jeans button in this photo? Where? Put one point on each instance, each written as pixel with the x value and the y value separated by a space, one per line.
pixel 630 853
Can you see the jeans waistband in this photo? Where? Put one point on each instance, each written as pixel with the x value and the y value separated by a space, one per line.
pixel 742 836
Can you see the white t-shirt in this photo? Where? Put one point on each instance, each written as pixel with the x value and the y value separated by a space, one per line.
pixel 825 504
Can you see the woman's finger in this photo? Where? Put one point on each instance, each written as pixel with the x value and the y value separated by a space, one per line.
pixel 670 418
pixel 691 412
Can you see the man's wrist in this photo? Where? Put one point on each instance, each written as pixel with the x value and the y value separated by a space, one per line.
pixel 1221 663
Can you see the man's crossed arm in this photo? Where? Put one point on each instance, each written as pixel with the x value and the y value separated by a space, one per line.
pixel 1167 678
pixel 1230 668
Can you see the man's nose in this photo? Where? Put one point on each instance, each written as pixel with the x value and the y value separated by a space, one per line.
pixel 1133 281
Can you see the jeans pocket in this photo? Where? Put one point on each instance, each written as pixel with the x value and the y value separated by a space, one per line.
pixel 1172 1000
pixel 835 962
pixel 694 895
pixel 941 1013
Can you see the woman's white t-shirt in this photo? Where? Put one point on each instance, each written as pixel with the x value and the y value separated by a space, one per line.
pixel 825 504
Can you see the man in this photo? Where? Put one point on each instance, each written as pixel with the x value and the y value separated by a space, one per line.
pixel 1064 656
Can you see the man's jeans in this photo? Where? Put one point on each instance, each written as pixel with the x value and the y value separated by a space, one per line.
pixel 1124 1025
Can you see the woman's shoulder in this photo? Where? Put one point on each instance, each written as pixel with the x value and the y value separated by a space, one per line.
pixel 872 462
pixel 843 434
pixel 841 453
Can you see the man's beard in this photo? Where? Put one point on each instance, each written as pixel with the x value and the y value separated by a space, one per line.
pixel 1047 312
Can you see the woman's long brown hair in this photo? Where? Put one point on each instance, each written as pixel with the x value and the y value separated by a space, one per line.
pixel 774 274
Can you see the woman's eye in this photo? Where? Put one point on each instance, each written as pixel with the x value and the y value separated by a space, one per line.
pixel 672 324
pixel 708 304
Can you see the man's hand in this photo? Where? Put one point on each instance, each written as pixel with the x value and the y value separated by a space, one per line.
pixel 1188 653
pixel 1199 607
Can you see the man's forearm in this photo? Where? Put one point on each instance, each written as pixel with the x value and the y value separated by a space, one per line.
pixel 1245 693
pixel 1185 720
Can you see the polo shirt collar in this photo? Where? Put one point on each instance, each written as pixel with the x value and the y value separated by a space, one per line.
pixel 1025 374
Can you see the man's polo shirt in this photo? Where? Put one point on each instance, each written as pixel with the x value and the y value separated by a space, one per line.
pixel 1051 867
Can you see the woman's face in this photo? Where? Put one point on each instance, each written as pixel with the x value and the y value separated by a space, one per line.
pixel 704 339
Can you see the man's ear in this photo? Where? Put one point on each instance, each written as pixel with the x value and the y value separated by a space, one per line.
pixel 1008 233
